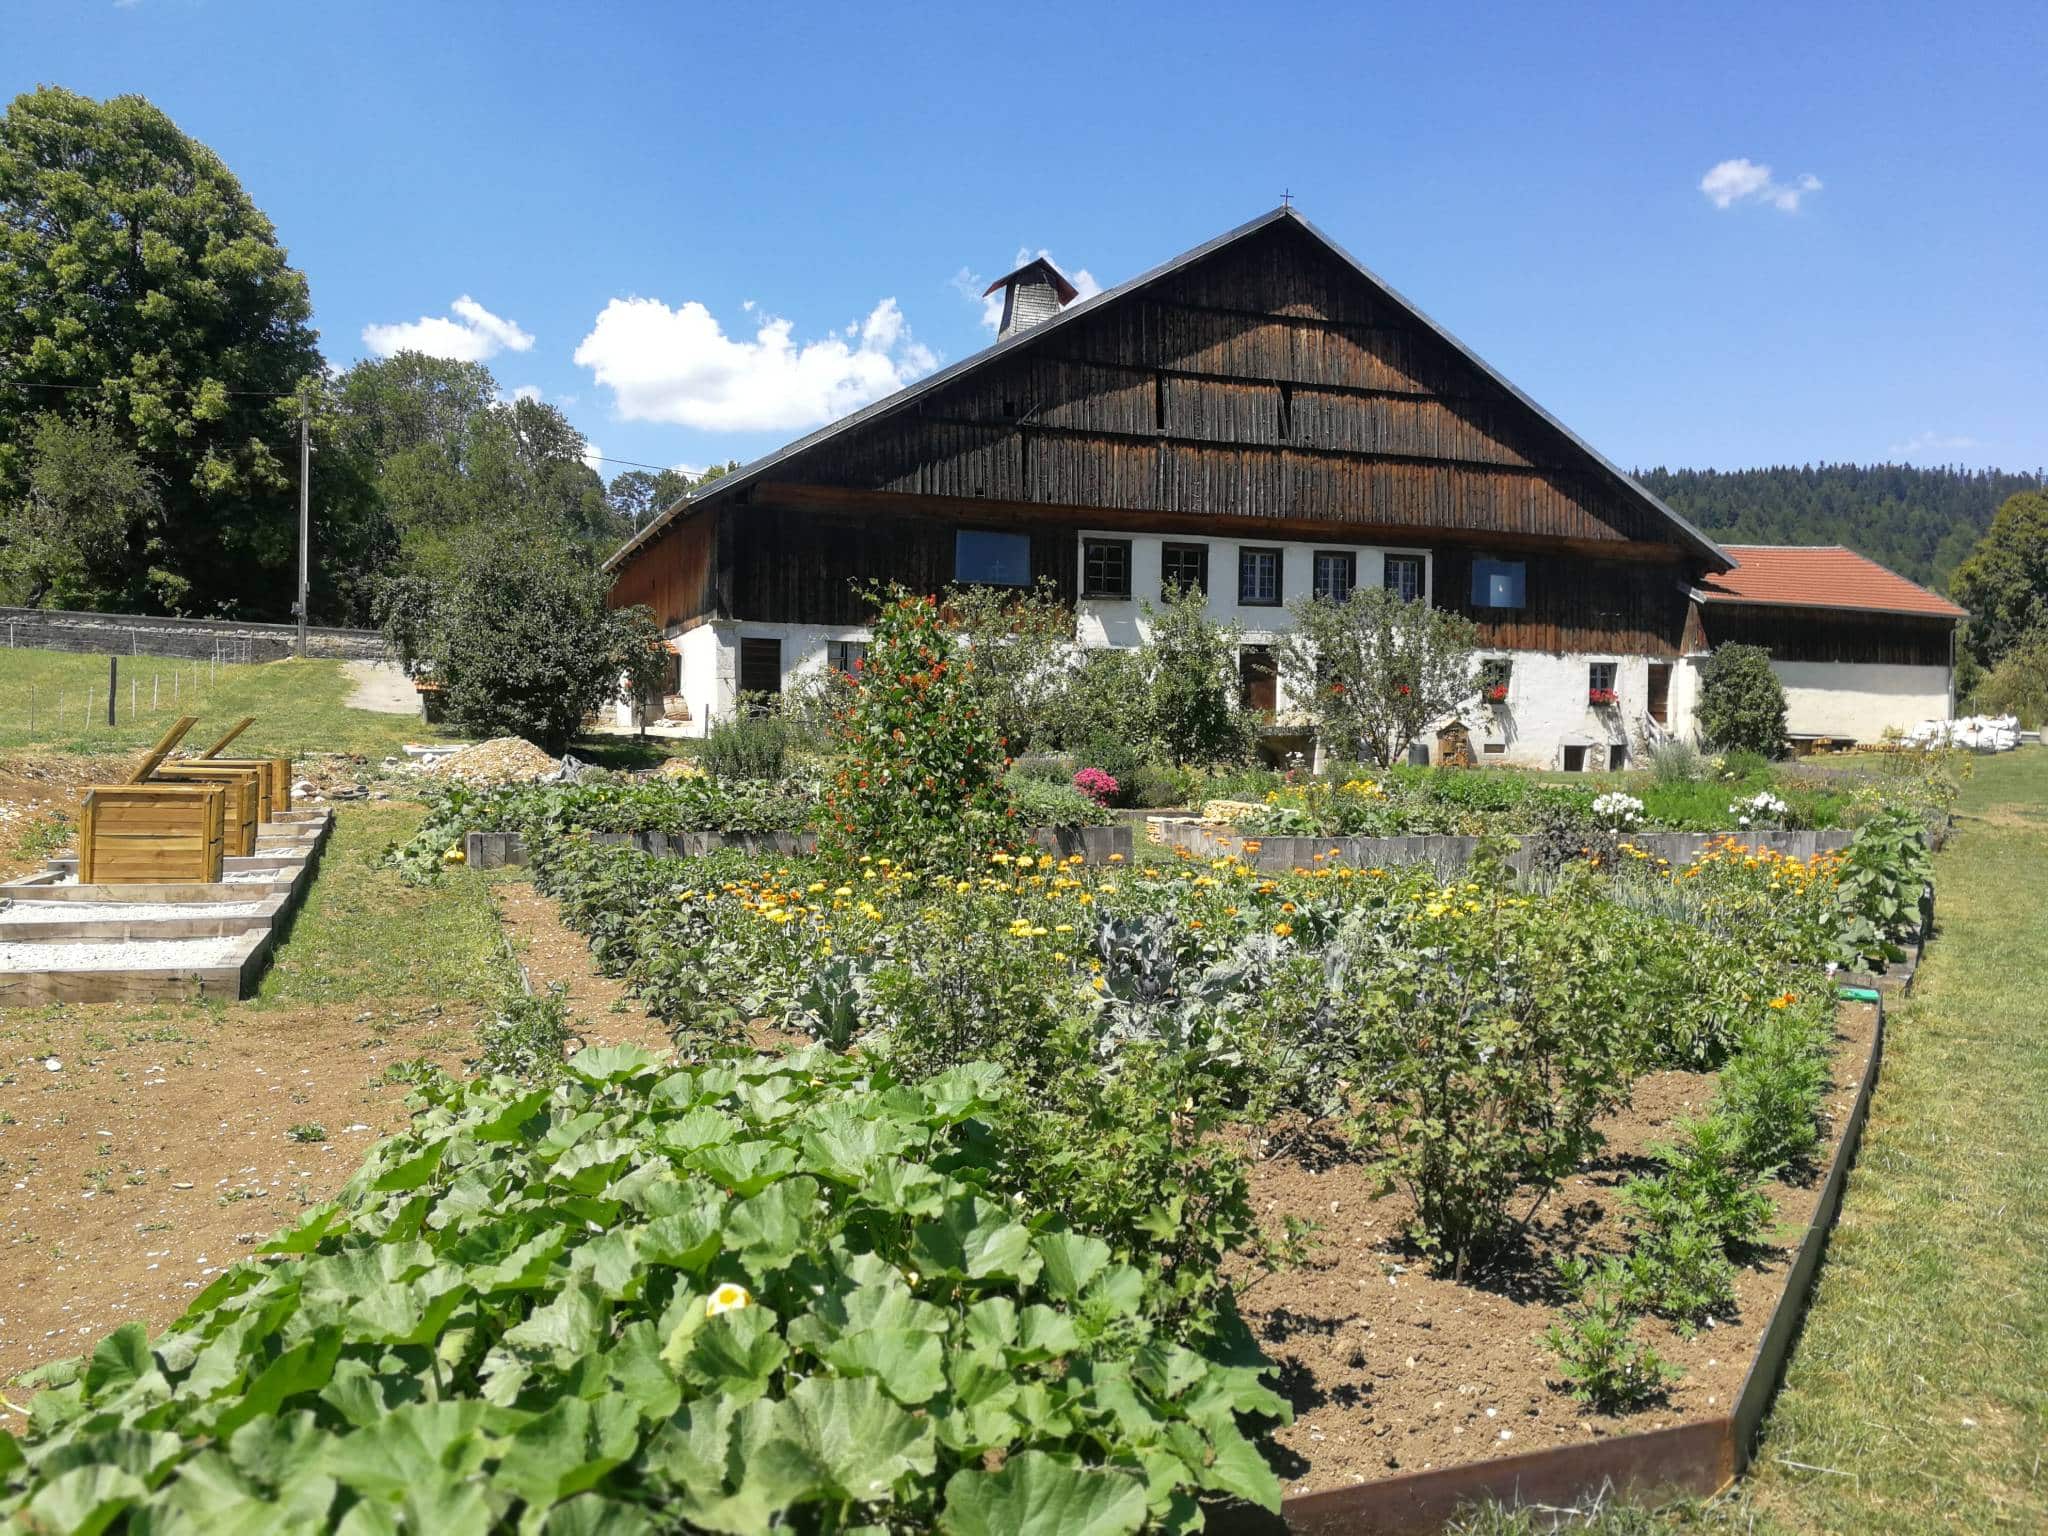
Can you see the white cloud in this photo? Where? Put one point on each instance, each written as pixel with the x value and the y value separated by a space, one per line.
pixel 970 283
pixel 474 336
pixel 594 457
pixel 678 365
pixel 527 392
pixel 1744 181
pixel 1923 445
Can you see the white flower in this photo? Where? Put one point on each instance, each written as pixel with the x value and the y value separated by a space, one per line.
pixel 727 1298
pixel 1617 811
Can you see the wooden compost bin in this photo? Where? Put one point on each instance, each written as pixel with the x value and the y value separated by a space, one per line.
pixel 276 783
pixel 244 798
pixel 152 833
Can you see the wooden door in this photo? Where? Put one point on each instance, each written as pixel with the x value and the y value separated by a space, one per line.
pixel 1660 692
pixel 1258 679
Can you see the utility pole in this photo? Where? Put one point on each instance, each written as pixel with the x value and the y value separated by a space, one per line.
pixel 305 519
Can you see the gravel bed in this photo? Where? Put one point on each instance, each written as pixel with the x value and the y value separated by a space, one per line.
pixel 29 913
pixel 151 954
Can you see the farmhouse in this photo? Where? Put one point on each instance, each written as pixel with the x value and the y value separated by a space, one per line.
pixel 1265 418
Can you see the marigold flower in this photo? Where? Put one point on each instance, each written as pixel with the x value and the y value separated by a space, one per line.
pixel 1283 929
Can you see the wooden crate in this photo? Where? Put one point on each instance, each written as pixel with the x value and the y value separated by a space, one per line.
pixel 274 786
pixel 244 798
pixel 144 833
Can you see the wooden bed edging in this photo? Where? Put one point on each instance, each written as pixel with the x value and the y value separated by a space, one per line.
pixel 1448 851
pixel 496 850
pixel 1699 1458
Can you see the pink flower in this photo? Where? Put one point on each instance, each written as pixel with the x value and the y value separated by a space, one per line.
pixel 1096 785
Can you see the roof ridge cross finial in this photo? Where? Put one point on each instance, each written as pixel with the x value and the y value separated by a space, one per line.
pixel 1286 198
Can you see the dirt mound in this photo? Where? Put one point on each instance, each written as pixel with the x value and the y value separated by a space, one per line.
pixel 501 760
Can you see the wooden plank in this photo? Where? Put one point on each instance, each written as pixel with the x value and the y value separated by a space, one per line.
pixel 235 730
pixel 162 749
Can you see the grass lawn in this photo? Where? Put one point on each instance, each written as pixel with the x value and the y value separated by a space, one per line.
pixel 300 706
pixel 1917 1396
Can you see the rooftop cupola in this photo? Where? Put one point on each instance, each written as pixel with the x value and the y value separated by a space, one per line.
pixel 1034 292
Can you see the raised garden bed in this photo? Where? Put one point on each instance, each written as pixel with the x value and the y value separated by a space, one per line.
pixel 496 850
pixel 1416 1396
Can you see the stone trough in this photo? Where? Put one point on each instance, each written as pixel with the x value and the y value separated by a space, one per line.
pixel 63 942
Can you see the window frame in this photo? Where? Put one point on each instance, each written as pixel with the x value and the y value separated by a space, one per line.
pixel 1349 557
pixel 1245 552
pixel 1200 551
pixel 1092 546
pixel 836 653
pixel 960 577
pixel 1407 560
pixel 1595 671
pixel 740 668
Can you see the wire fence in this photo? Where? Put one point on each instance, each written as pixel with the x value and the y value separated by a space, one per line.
pixel 195 639
pixel 142 688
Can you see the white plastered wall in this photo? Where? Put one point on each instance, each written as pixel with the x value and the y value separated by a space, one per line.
pixel 1860 700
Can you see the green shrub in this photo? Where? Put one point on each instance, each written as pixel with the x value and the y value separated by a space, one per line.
pixel 758 1292
pixel 528 1037
pixel 1707 1184
pixel 1157 784
pixel 1681 1273
pixel 520 639
pixel 1192 667
pixel 1039 804
pixel 1045 767
pixel 1742 703
pixel 1675 760
pixel 1604 1364
pixel 747 746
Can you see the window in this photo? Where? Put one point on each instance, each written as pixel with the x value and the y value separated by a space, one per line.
pixel 1185 566
pixel 1258 679
pixel 1105 567
pixel 1575 759
pixel 1258 577
pixel 1404 575
pixel 760 666
pixel 1497 583
pixel 992 559
pixel 1600 683
pixel 1336 573
pixel 1617 757
pixel 1495 673
pixel 846 655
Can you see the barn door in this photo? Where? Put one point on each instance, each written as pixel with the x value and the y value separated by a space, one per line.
pixel 1258 679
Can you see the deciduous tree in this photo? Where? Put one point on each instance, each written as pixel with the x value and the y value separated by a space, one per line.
pixel 1374 671
pixel 2004 583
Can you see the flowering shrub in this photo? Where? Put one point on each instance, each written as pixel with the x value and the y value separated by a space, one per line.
pixel 1617 812
pixel 1602 696
pixel 1760 810
pixel 1096 785
pixel 922 770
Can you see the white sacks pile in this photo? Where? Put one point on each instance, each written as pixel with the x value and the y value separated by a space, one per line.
pixel 1980 733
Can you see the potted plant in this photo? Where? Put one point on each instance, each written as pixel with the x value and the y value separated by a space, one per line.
pixel 1602 698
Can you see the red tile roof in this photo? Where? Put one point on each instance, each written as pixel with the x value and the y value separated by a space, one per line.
pixel 1819 576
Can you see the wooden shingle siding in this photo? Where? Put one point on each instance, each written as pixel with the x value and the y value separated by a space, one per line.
pixel 1573 604
pixel 672 577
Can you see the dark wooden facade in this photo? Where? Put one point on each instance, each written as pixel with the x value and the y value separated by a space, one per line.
pixel 1822 634
pixel 1266 389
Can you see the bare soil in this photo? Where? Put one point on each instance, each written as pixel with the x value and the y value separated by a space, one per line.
pixel 159 1148
pixel 1393 1368
pixel 552 953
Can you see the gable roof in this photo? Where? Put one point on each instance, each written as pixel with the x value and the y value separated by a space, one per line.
pixel 910 394
pixel 1820 576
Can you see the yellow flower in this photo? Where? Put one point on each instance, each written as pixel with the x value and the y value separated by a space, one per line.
pixel 999 858
pixel 1064 928
pixel 1098 984
pixel 1783 1000
pixel 1116 858
pixel 727 1298
pixel 778 916
pixel 1283 929
pixel 815 886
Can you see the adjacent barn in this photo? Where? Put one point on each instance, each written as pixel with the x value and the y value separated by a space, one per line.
pixel 1263 417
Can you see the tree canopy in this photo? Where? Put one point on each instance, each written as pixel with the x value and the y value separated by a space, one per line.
pixel 140 287
pixel 2004 583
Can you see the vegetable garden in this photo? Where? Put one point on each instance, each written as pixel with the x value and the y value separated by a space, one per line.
pixel 1091 1198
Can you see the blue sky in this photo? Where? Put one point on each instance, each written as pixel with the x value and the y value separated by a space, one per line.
pixel 703 230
